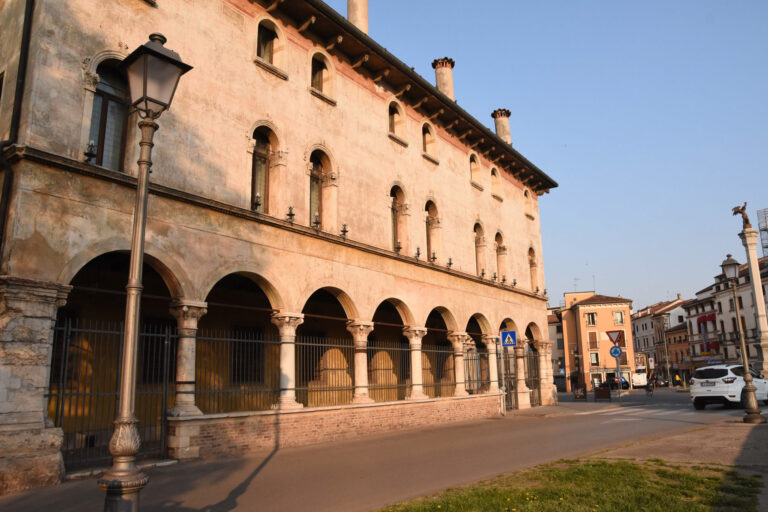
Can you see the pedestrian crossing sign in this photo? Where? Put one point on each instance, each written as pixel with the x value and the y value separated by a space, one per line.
pixel 508 338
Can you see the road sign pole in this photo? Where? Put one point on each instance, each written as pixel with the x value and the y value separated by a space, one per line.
pixel 618 373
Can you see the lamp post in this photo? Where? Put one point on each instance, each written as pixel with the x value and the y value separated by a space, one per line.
pixel 153 74
pixel 731 271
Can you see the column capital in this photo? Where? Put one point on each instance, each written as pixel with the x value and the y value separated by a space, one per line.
pixel 360 330
pixel 457 339
pixel 490 341
pixel 188 312
pixel 287 321
pixel 414 334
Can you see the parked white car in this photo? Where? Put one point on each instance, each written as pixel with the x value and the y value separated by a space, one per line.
pixel 723 384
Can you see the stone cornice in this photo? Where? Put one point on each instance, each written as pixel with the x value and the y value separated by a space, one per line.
pixel 14 154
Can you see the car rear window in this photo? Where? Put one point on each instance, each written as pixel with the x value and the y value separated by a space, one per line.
pixel 710 373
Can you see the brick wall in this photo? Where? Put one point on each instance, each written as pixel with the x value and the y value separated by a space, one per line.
pixel 230 434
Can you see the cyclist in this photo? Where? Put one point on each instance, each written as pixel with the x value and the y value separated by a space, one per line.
pixel 649 388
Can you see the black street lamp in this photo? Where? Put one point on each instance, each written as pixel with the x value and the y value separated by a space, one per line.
pixel 731 271
pixel 153 74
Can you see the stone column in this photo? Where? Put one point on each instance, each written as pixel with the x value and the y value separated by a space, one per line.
pixel 523 393
pixel 415 335
pixel 493 365
pixel 457 340
pixel 548 390
pixel 187 314
pixel 360 331
pixel 29 443
pixel 287 324
pixel 749 238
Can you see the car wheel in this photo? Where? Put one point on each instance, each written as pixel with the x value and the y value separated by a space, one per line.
pixel 698 404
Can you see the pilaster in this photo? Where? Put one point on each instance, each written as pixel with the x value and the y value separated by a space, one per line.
pixel 29 443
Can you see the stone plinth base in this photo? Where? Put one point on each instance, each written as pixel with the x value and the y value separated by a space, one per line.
pixel 215 435
pixel 29 459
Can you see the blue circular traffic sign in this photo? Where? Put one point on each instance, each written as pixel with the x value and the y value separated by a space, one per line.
pixel 615 351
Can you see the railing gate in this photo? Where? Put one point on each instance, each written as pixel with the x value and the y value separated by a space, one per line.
pixel 83 397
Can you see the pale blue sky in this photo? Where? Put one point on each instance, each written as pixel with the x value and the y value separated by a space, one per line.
pixel 651 115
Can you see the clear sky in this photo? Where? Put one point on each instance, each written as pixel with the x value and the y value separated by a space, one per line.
pixel 651 115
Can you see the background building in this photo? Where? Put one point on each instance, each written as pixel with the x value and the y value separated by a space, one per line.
pixel 586 318
pixel 305 251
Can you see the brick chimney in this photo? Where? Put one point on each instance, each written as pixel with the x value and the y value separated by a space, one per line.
pixel 357 13
pixel 444 75
pixel 501 118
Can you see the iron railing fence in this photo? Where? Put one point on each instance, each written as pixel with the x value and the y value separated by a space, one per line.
pixel 389 369
pixel 506 371
pixel 236 370
pixel 437 370
pixel 325 371
pixel 83 387
pixel 532 377
pixel 476 374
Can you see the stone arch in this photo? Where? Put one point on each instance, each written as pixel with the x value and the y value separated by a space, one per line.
pixel 508 325
pixel 323 190
pixel 322 147
pixel 399 217
pixel 474 167
pixel 265 156
pixel 273 296
pixel 495 182
pixel 91 64
pixel 533 334
pixel 265 123
pixel 450 321
pixel 432 220
pixel 172 274
pixel 482 321
pixel 402 309
pixel 428 139
pixel 347 304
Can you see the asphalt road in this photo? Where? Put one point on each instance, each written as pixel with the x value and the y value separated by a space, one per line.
pixel 369 473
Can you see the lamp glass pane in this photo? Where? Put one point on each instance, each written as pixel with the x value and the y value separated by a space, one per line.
pixel 162 77
pixel 136 79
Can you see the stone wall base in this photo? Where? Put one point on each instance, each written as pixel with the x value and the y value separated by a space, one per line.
pixel 30 459
pixel 216 435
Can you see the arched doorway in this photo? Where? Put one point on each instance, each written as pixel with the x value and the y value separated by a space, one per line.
pixel 438 376
pixel 476 371
pixel 85 365
pixel 324 352
pixel 389 356
pixel 237 351
pixel 532 366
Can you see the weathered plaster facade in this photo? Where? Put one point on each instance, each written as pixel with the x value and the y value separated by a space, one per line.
pixel 65 212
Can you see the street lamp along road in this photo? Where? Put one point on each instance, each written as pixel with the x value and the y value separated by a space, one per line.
pixel 731 271
pixel 153 74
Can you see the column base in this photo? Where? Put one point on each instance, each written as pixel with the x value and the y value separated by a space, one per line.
pixel 180 410
pixel 287 403
pixel 417 395
pixel 460 392
pixel 362 399
pixel 31 458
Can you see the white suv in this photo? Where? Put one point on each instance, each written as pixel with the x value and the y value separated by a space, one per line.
pixel 723 384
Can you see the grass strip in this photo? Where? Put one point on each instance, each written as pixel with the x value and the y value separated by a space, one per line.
pixel 601 486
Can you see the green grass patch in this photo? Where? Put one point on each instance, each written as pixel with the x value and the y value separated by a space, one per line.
pixel 601 486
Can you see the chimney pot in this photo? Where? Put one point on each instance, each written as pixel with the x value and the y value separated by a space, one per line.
pixel 357 13
pixel 444 75
pixel 501 119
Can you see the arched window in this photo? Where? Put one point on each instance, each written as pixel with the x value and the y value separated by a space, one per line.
pixel 528 204
pixel 323 193
pixel 263 152
pixel 267 42
pixel 395 120
pixel 427 140
pixel 399 228
pixel 533 269
pixel 495 183
pixel 109 116
pixel 474 169
pixel 501 257
pixel 320 75
pixel 479 249
pixel 433 225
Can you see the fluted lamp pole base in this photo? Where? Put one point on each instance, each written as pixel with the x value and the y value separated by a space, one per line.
pixel 124 480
